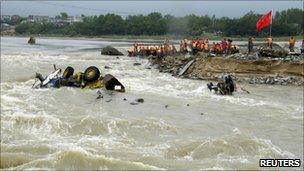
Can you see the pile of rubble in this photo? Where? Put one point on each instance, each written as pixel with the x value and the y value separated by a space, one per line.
pixel 174 65
pixel 255 56
pixel 277 80
pixel 169 65
pixel 276 51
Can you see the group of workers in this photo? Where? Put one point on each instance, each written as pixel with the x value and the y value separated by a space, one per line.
pixel 154 50
pixel 197 45
pixel 200 45
pixel 223 47
pixel 250 43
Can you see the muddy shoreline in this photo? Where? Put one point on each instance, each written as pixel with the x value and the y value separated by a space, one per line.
pixel 244 70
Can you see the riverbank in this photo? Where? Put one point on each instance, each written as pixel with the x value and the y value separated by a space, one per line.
pixel 149 37
pixel 251 71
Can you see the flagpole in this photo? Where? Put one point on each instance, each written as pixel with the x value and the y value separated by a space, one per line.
pixel 270 25
pixel 270 29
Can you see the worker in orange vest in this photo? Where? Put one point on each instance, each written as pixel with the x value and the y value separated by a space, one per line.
pixel 217 48
pixel 185 43
pixel 201 47
pixel 135 46
pixel 214 47
pixel 181 46
pixel 292 42
pixel 269 41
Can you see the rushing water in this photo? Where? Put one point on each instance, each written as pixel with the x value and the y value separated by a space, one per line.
pixel 68 128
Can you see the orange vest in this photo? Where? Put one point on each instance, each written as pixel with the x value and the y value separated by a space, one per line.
pixel 206 46
pixel 194 44
pixel 292 41
pixel 202 46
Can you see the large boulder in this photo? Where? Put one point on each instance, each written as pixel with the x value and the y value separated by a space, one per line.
pixel 276 51
pixel 109 50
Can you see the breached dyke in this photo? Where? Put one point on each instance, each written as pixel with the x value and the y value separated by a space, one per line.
pixel 257 71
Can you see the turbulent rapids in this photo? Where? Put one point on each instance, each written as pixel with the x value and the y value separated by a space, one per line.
pixel 180 125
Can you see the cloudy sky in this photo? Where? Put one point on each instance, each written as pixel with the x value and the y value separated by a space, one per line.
pixel 124 8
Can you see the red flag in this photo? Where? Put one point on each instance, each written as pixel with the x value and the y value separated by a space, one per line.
pixel 264 21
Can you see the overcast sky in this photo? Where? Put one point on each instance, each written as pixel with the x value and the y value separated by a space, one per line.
pixel 124 8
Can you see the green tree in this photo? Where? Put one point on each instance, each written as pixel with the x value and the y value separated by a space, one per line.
pixel 22 28
pixel 63 15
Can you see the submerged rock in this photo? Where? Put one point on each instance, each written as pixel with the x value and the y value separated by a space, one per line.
pixel 140 100
pixel 32 40
pixel 109 50
pixel 134 103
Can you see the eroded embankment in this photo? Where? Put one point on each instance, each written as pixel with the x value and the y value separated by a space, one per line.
pixel 261 71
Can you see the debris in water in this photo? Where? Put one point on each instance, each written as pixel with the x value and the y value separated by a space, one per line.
pixel 107 67
pixel 188 105
pixel 124 99
pixel 100 96
pixel 136 64
pixel 166 106
pixel 185 68
pixel 134 103
pixel 109 100
pixel 140 100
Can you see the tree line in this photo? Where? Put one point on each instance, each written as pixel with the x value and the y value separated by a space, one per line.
pixel 285 23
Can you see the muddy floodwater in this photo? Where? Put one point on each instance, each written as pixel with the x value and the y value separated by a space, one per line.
pixel 180 125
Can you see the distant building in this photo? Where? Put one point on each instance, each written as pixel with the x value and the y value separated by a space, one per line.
pixel 73 19
pixel 5 18
pixel 58 21
pixel 15 18
pixel 218 33
pixel 38 18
